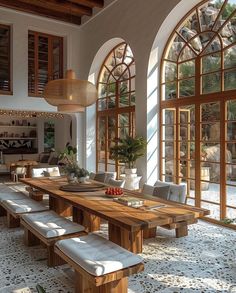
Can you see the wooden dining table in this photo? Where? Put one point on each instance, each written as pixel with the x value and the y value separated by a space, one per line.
pixel 127 226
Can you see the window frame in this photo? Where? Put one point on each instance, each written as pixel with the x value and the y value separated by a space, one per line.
pixel 223 96
pixel 50 37
pixel 10 91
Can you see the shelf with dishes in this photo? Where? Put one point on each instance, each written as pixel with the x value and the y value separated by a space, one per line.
pixel 18 138
pixel 18 126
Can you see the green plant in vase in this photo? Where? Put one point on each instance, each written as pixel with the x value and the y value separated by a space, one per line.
pixel 127 150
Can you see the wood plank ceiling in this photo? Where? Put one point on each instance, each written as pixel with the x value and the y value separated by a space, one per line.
pixel 69 11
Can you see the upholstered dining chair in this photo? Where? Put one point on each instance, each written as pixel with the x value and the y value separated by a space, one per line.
pixel 116 183
pixel 19 171
pixel 158 191
pixel 178 192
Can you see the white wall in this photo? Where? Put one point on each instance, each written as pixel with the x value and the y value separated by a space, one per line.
pixel 139 23
pixel 21 23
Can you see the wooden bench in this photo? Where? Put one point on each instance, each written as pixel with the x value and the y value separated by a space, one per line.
pixel 9 195
pixel 101 266
pixel 49 227
pixel 15 208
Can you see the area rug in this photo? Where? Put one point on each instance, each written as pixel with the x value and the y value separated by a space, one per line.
pixel 204 261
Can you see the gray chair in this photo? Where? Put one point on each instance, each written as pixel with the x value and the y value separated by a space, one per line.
pixel 103 177
pixel 158 191
pixel 116 183
pixel 178 193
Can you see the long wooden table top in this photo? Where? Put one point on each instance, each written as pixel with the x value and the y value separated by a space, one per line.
pixel 130 218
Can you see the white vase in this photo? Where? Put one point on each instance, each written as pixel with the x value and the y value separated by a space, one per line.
pixel 130 171
pixel 82 179
pixel 71 178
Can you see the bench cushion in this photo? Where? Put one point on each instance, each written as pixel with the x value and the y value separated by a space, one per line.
pixel 50 224
pixel 97 255
pixel 11 195
pixel 20 206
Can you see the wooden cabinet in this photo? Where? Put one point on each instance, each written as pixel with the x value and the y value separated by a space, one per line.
pixel 45 61
pixel 5 59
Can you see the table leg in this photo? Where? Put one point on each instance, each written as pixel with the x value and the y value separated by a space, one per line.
pixel 60 207
pixel 2 212
pixel 89 221
pixel 132 241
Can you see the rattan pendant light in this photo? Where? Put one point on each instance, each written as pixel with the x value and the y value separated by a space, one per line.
pixel 70 94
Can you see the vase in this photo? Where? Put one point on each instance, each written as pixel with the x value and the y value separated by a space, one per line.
pixel 71 178
pixel 82 179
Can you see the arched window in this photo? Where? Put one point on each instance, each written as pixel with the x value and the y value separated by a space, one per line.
pixel 116 103
pixel 198 107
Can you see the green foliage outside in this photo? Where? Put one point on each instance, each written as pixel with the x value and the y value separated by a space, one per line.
pixel 40 289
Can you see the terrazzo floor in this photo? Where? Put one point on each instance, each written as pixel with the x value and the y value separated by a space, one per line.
pixel 204 261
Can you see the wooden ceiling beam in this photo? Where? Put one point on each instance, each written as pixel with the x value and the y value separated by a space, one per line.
pixel 21 5
pixel 60 6
pixel 89 3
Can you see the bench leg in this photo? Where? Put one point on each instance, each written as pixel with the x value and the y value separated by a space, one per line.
pixel 30 239
pixel 53 258
pixel 2 212
pixel 12 222
pixel 132 241
pixel 149 233
pixel 84 286
pixel 181 231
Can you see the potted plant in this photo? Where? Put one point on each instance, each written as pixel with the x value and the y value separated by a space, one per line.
pixel 127 150
pixel 71 166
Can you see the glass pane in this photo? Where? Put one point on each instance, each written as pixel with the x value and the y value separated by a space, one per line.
pixel 169 90
pixel 231 214
pixel 191 201
pixel 210 172
pixel 210 152
pixel 230 80
pixel 31 64
pixel 211 63
pixel 211 83
pixel 231 196
pixel 102 128
pixel 210 192
pixel 211 132
pixel 210 112
pixel 231 174
pixel 176 46
pixel 231 130
pixel 214 46
pixel 132 99
pixel 123 87
pixel 102 104
pixel 111 168
pixel 185 150
pixel 124 120
pixel 214 210
pixel 101 167
pixel 187 87
pixel 187 69
pixel 111 102
pixel 168 117
pixel 231 110
pixel 168 149
pixel 231 152
pixel 186 54
pixel 124 100
pixel 56 74
pixel 102 88
pixel 230 57
pixel 168 133
pixel 132 83
pixel 111 89
pixel 170 71
pixel 49 135
pixel 123 132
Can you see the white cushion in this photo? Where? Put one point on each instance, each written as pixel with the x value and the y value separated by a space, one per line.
pixel 50 224
pixel 45 172
pixel 97 255
pixel 11 195
pixel 20 206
